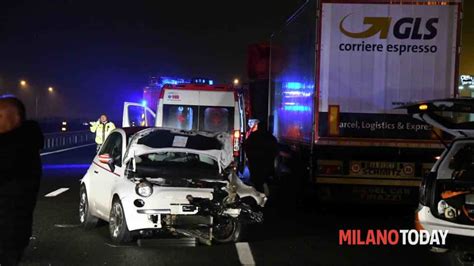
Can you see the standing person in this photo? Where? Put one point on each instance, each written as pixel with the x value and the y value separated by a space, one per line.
pixel 261 149
pixel 20 174
pixel 102 129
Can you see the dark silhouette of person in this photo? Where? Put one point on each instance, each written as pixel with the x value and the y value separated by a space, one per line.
pixel 20 173
pixel 261 149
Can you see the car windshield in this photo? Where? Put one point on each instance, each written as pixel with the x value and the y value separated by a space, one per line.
pixel 177 164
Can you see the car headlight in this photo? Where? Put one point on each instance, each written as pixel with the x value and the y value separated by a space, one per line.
pixel 144 189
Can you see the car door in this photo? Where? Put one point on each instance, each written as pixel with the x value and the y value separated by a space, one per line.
pixel 455 117
pixel 137 115
pixel 105 175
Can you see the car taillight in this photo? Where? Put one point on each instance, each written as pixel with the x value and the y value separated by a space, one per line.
pixel 236 143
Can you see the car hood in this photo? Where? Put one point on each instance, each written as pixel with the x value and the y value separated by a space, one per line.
pixel 215 145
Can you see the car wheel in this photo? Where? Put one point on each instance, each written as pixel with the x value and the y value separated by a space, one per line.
pixel 227 230
pixel 88 221
pixel 117 224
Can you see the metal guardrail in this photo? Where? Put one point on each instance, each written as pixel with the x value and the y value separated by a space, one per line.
pixel 61 140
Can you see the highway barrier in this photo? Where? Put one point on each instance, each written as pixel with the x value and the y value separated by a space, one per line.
pixel 61 140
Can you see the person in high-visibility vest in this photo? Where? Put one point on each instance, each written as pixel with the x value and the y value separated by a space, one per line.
pixel 102 129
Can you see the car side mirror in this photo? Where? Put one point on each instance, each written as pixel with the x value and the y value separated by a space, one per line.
pixel 106 159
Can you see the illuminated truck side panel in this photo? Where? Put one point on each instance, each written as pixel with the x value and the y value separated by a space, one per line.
pixel 356 69
pixel 338 78
pixel 376 57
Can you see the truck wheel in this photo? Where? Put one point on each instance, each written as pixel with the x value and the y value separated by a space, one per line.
pixel 227 230
pixel 88 221
pixel 117 224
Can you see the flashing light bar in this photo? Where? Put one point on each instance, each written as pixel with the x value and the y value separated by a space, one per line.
pixel 172 81
pixel 202 81
pixel 175 81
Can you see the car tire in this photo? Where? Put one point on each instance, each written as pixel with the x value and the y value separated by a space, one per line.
pixel 118 229
pixel 87 220
pixel 228 230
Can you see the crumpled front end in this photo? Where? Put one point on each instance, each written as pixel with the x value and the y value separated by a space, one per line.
pixel 151 212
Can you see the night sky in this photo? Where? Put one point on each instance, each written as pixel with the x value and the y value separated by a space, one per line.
pixel 98 54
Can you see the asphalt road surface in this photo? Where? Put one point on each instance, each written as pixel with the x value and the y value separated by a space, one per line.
pixel 305 235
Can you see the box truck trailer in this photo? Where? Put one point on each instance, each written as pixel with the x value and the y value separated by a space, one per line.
pixel 339 70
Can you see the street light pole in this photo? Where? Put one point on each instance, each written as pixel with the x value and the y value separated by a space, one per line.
pixel 36 105
pixel 36 94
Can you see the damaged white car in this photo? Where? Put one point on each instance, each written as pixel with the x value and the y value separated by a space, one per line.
pixel 146 182
pixel 447 192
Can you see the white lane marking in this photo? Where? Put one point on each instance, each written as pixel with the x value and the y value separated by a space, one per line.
pixel 68 149
pixel 121 246
pixel 56 192
pixel 245 253
pixel 67 225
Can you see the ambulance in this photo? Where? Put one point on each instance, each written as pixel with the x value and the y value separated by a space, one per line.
pixel 195 106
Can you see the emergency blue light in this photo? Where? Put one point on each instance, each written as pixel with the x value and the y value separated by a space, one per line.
pixel 294 85
pixel 172 81
pixel 169 81
pixel 202 81
pixel 7 96
pixel 297 108
pixel 144 103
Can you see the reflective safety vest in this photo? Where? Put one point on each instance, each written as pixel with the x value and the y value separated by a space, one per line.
pixel 101 131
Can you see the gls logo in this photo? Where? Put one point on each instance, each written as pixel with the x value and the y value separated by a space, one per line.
pixel 404 28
